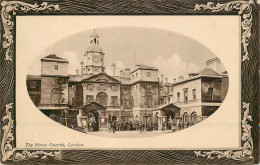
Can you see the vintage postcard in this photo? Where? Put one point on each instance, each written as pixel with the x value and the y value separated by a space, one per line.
pixel 128 82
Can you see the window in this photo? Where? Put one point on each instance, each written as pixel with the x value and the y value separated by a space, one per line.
pixel 169 99
pixel 148 74
pixel 56 67
pixel 210 93
pixel 149 100
pixel 178 96
pixel 114 100
pixel 32 84
pixel 194 94
pixel 185 95
pixel 136 74
pixel 90 98
pixel 133 76
pixel 185 117
pixel 56 97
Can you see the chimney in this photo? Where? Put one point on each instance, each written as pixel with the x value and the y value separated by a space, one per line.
pixel 77 72
pixel 166 79
pixel 174 80
pixel 81 68
pixel 127 73
pixel 122 74
pixel 114 69
pixel 161 78
pixel 214 64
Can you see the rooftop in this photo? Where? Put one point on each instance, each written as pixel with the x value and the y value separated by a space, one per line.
pixel 208 72
pixel 94 48
pixel 53 57
pixel 144 67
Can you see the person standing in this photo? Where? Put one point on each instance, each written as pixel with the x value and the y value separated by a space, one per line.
pixel 114 127
pixel 141 127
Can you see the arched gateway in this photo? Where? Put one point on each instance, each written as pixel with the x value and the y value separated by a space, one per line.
pixel 92 117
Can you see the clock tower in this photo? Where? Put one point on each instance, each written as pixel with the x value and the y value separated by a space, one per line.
pixel 94 57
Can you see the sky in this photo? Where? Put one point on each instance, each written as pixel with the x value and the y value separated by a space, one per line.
pixel 173 53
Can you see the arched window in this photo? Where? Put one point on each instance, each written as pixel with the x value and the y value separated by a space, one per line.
pixel 149 99
pixel 193 117
pixel 102 98
pixel 55 96
pixel 185 117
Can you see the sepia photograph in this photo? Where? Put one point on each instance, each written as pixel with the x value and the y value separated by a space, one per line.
pixel 127 82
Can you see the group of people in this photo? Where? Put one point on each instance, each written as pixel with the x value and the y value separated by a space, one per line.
pixel 132 125
pixel 91 125
pixel 182 125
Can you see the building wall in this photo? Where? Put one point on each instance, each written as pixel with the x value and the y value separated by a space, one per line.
pixel 143 75
pixel 225 84
pixel 149 88
pixel 75 94
pixel 47 68
pixel 136 97
pixel 101 87
pixel 190 85
pixel 48 83
pixel 140 90
pixel 126 96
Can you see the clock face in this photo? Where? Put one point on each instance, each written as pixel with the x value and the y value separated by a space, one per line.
pixel 96 58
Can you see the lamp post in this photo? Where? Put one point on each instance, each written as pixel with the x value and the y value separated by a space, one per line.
pixel 121 115
pixel 65 116
pixel 145 118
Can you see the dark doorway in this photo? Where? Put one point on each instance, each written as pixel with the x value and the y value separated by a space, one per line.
pixel 93 121
pixel 114 118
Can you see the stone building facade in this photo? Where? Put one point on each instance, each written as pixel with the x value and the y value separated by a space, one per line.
pixel 91 96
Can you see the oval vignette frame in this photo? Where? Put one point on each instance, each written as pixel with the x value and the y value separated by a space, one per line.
pixel 201 76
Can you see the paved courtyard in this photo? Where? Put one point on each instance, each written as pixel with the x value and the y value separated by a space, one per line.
pixel 130 134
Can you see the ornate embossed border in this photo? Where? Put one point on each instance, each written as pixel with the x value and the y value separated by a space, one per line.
pixel 248 12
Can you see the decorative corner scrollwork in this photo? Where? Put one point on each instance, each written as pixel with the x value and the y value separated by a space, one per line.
pixel 244 8
pixel 9 152
pixel 9 9
pixel 246 151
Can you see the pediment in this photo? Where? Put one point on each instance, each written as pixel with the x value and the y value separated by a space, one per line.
pixel 102 77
